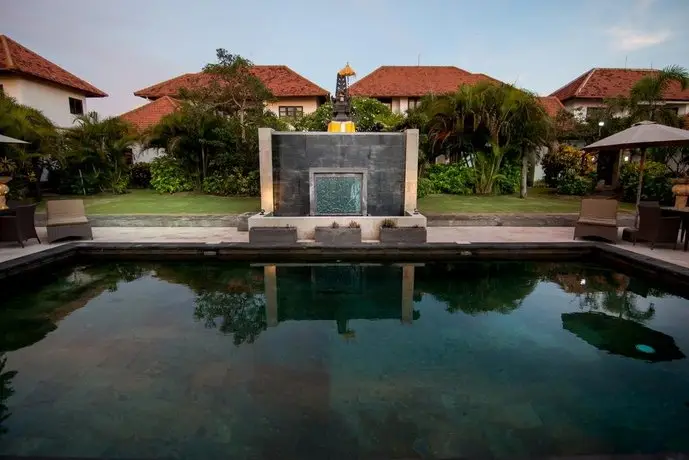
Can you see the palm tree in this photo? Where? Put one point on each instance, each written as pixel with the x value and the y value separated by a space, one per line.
pixel 509 118
pixel 190 135
pixel 533 132
pixel 30 125
pixel 647 96
pixel 102 143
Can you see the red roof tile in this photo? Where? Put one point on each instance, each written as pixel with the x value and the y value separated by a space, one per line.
pixel 551 104
pixel 601 83
pixel 414 81
pixel 279 79
pixel 150 114
pixel 17 59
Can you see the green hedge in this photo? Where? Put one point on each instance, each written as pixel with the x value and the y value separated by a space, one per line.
pixel 456 179
pixel 167 176
pixel 656 187
pixel 140 174
pixel 235 184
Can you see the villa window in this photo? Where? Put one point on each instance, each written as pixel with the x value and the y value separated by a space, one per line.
pixel 414 102
pixel 76 106
pixel 291 111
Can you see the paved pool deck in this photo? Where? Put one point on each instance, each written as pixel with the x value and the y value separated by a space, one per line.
pixel 9 251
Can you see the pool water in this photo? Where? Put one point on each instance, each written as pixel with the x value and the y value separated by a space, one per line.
pixel 224 360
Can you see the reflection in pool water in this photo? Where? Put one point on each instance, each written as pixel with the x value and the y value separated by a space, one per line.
pixel 342 361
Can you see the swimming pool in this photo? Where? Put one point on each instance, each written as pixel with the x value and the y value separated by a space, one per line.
pixel 227 360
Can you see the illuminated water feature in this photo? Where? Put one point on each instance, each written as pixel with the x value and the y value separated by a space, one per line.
pixel 196 360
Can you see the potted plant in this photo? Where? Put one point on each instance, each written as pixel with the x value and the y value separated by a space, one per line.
pixel 391 233
pixel 336 235
pixel 273 235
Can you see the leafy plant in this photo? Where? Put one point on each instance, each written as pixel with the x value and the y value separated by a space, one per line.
pixel 388 223
pixel 657 185
pixel 572 183
pixel 167 176
pixel 140 174
pixel 234 184
pixel 507 183
pixel 455 179
pixel 354 224
pixel 425 187
pixel 560 161
pixel 334 225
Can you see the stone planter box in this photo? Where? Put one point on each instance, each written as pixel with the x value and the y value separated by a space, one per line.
pixel 273 235
pixel 336 236
pixel 410 235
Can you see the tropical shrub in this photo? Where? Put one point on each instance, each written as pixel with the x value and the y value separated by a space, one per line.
pixel 571 183
pixel 167 176
pixel 508 181
pixel 425 187
pixel 558 162
pixel 656 187
pixel 455 179
pixel 234 184
pixel 140 174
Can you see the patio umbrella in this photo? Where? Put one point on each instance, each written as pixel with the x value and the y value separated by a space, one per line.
pixel 10 140
pixel 642 135
pixel 622 336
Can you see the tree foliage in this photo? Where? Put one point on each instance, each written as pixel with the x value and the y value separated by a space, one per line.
pixel 101 145
pixel 369 115
pixel 481 123
pixel 25 161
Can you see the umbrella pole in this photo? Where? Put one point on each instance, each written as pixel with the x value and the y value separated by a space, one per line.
pixel 640 186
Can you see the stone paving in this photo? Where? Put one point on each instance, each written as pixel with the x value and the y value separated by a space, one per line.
pixel 435 235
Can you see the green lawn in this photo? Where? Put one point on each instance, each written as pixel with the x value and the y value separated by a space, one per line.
pixel 537 201
pixel 150 202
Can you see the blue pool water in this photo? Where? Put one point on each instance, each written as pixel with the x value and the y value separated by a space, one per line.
pixel 191 360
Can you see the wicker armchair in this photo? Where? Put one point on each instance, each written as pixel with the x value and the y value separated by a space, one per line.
pixel 67 218
pixel 655 228
pixel 598 219
pixel 19 226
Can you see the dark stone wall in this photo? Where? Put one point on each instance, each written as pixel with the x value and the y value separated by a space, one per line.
pixel 381 154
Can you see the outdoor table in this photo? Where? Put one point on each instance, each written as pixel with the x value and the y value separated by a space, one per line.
pixel 683 214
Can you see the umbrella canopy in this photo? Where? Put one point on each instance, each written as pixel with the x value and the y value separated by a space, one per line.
pixel 642 135
pixel 621 336
pixel 10 140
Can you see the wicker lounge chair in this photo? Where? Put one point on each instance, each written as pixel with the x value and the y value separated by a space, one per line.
pixel 19 226
pixel 598 219
pixel 67 218
pixel 655 228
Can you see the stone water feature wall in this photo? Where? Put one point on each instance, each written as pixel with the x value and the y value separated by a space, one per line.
pixel 387 163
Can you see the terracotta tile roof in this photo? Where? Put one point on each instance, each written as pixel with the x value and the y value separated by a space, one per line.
pixel 601 83
pixel 551 104
pixel 150 114
pixel 279 79
pixel 414 81
pixel 17 59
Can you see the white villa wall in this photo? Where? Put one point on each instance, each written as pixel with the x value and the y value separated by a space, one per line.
pixel 310 104
pixel 11 86
pixel 579 107
pixel 142 155
pixel 52 100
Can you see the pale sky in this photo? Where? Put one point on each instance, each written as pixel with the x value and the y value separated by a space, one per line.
pixel 121 46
